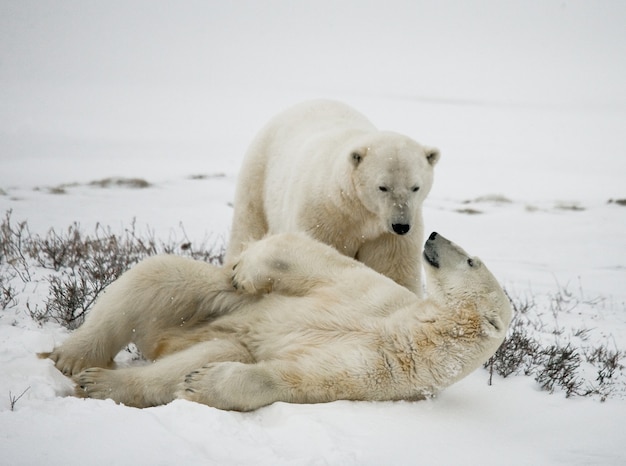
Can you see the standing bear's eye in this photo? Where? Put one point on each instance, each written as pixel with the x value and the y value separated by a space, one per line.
pixel 383 188
pixel 470 262
pixel 415 189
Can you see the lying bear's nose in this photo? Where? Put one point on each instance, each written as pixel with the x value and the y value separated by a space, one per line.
pixel 401 228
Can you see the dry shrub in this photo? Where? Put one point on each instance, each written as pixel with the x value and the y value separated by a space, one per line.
pixel 80 265
pixel 560 365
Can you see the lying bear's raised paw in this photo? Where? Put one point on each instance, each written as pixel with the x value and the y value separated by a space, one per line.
pixel 250 280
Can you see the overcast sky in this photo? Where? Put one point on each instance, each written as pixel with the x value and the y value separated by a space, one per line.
pixel 188 83
pixel 495 50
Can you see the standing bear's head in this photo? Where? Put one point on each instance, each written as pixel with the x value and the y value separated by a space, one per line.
pixel 392 175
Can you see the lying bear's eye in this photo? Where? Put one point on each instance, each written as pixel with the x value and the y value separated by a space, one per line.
pixel 470 262
pixel 383 188
pixel 415 189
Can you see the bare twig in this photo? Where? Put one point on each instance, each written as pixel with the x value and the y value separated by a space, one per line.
pixel 14 399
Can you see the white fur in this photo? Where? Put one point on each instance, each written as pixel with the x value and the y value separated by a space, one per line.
pixel 319 168
pixel 294 321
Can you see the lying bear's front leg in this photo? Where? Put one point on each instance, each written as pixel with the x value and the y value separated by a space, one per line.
pixel 232 386
pixel 245 387
pixel 122 386
pixel 140 387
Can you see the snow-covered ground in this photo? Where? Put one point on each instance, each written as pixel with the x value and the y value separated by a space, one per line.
pixel 526 100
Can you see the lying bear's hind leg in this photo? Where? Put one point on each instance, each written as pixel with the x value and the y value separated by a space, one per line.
pixel 155 384
pixel 99 339
pixel 289 263
pixel 158 294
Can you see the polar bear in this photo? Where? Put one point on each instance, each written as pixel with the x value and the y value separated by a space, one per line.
pixel 322 168
pixel 295 321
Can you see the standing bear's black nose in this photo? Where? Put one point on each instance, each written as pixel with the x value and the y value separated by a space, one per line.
pixel 401 228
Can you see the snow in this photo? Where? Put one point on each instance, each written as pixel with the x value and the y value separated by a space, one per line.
pixel 525 99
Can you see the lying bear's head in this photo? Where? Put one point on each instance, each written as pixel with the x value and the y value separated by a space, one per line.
pixel 458 281
pixel 392 175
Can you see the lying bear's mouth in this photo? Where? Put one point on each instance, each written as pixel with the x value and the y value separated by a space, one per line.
pixel 431 256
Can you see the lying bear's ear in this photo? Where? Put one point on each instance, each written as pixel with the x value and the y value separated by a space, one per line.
pixel 356 157
pixel 432 155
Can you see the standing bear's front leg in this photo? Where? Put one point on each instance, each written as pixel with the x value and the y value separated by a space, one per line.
pixel 288 263
pixel 396 257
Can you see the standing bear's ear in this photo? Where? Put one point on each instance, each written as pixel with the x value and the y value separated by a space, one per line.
pixel 432 155
pixel 356 156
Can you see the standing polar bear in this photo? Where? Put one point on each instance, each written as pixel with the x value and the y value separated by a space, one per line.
pixel 322 168
pixel 295 321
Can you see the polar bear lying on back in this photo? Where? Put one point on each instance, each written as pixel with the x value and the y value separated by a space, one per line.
pixel 324 169
pixel 295 322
